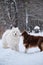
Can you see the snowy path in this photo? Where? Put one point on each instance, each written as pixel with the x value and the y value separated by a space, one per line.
pixel 10 57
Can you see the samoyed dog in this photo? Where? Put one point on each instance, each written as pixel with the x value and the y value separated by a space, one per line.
pixel 10 38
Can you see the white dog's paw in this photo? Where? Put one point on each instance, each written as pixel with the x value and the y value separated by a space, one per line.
pixel 16 48
pixel 5 46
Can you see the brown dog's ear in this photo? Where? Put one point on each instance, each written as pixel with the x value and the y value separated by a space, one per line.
pixel 24 33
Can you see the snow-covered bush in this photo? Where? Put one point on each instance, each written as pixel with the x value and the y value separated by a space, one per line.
pixel 36 29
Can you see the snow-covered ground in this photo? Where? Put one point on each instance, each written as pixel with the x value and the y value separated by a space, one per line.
pixel 37 34
pixel 11 57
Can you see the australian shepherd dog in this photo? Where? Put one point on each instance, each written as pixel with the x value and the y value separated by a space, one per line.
pixel 32 41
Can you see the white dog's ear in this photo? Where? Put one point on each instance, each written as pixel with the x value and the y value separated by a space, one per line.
pixel 13 27
pixel 17 28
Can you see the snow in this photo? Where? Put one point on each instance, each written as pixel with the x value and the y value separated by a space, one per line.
pixel 11 57
pixel 37 34
pixel 36 27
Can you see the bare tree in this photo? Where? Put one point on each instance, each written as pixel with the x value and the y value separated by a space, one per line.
pixel 10 12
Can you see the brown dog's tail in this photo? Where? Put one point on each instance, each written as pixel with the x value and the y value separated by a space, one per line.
pixel 40 44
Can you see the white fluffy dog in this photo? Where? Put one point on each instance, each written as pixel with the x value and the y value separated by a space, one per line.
pixel 11 39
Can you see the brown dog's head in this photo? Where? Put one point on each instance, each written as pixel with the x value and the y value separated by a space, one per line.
pixel 25 41
pixel 25 34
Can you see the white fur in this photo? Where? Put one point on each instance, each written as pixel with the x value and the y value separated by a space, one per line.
pixel 11 39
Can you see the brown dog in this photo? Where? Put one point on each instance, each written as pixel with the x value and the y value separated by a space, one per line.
pixel 32 41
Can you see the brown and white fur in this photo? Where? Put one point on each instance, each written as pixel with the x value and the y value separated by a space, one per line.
pixel 30 41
